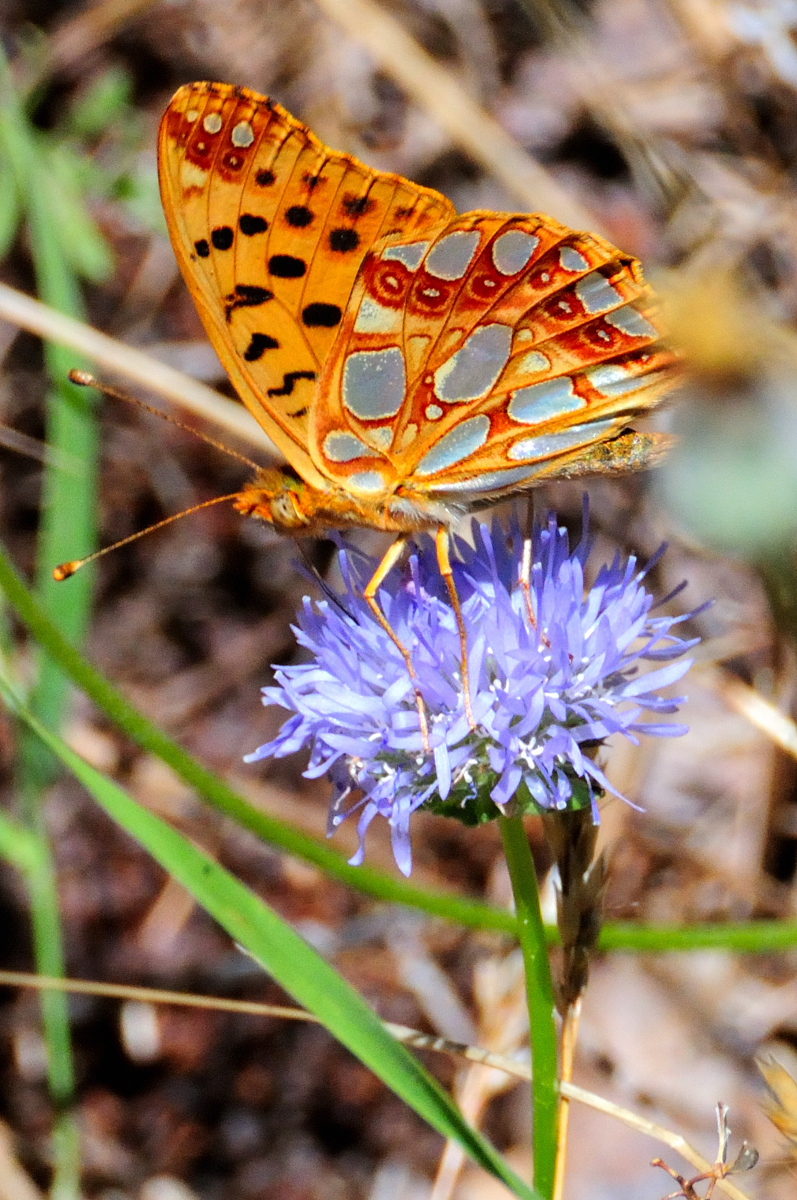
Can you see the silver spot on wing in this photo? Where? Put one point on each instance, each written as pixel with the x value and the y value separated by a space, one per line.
pixel 512 250
pixel 451 256
pixel 458 444
pixel 596 293
pixel 472 370
pixel 571 260
pixel 548 444
pixel 374 382
pixel 629 321
pixel 409 255
pixel 544 401
pixel 343 447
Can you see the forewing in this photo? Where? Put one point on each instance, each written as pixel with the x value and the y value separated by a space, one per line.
pixel 270 229
pixel 498 349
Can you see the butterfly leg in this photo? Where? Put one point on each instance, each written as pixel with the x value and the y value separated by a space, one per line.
pixel 391 557
pixel 525 584
pixel 525 564
pixel 442 544
pixel 525 575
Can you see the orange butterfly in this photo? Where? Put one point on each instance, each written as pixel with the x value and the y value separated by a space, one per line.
pixel 411 364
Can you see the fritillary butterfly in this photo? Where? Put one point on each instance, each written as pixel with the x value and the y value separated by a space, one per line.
pixel 411 364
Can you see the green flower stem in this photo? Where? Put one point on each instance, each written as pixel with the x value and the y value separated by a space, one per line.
pixel 539 996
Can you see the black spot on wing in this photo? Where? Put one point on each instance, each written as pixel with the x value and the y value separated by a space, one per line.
pixel 288 380
pixel 355 206
pixel 249 294
pixel 285 266
pixel 319 314
pixel 202 248
pixel 265 178
pixel 258 344
pixel 249 224
pixel 299 216
pixel 246 295
pixel 222 237
pixel 343 240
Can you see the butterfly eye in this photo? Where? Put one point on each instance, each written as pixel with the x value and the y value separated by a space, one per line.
pixel 285 510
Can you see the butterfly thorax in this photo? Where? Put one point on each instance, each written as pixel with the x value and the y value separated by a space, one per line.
pixel 297 508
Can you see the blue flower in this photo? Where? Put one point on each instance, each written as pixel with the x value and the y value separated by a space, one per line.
pixel 553 672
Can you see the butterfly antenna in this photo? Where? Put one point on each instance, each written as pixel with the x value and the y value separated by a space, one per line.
pixel 65 569
pixel 84 379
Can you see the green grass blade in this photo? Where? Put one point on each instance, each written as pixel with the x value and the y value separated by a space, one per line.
pixel 10 210
pixel 67 528
pixel 69 493
pixel 68 525
pixel 18 846
pixel 289 959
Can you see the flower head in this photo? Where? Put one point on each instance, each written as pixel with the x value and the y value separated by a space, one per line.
pixel 553 671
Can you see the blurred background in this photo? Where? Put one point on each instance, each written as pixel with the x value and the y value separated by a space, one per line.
pixel 670 126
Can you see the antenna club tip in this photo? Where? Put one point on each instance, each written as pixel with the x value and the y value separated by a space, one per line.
pixel 64 570
pixel 82 378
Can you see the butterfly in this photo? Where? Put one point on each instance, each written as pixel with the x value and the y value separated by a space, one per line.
pixel 409 363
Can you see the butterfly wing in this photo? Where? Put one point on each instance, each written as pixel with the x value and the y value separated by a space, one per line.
pixel 477 359
pixel 270 229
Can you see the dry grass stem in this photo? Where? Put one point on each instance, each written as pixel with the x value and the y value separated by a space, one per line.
pixel 437 91
pixel 568 1054
pixel 410 1037
pixel 761 713
pixel 134 365
pixel 15 1183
